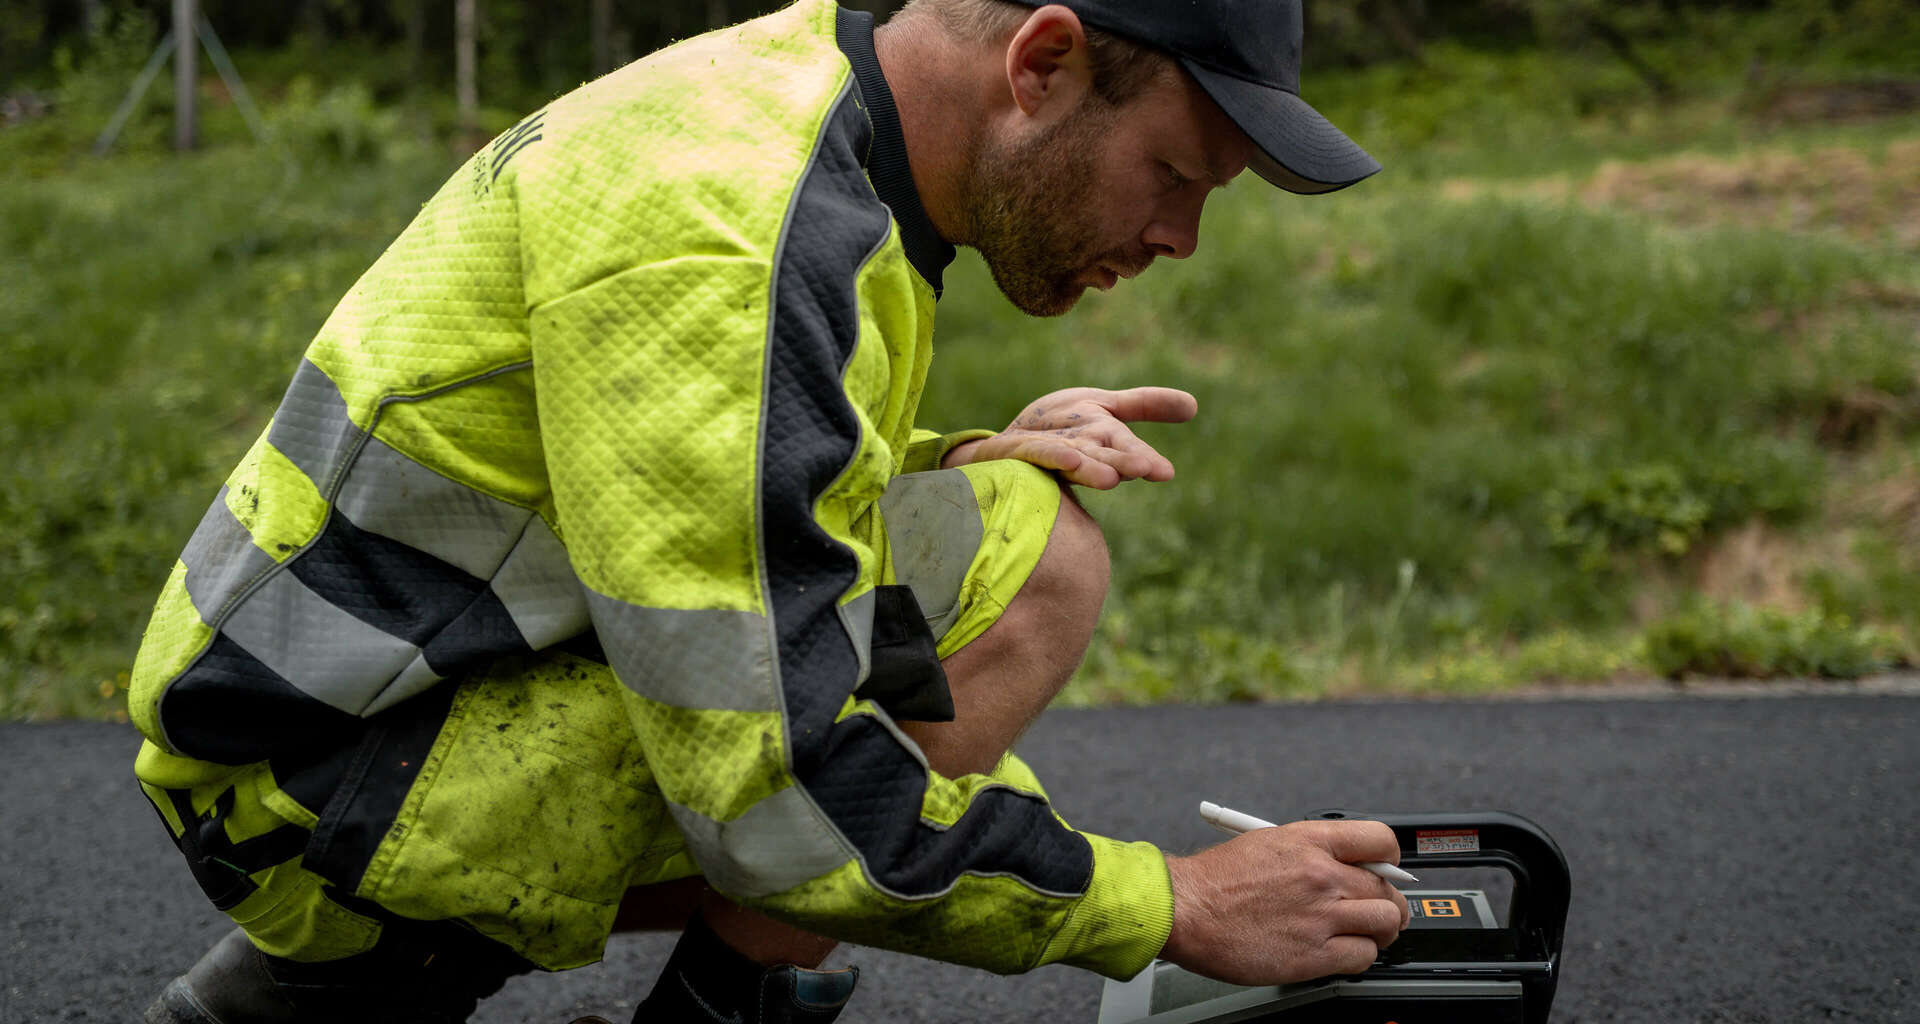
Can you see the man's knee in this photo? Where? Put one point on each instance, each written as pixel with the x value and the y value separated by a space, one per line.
pixel 1069 583
pixel 1044 631
pixel 1002 679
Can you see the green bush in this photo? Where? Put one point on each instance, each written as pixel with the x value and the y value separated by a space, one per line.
pixel 1739 640
pixel 1556 656
pixel 90 77
pixel 339 125
pixel 1640 508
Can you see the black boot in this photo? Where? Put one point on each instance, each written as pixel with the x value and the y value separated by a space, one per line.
pixel 420 973
pixel 230 984
pixel 706 980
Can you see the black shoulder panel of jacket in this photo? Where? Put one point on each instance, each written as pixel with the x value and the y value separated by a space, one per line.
pixel 868 783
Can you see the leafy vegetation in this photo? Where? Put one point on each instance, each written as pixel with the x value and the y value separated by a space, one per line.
pixel 1588 384
pixel 1740 640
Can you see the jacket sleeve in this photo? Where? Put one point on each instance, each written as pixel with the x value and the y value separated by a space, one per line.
pixel 707 428
pixel 927 448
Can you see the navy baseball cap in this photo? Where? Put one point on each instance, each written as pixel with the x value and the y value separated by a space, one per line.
pixel 1246 55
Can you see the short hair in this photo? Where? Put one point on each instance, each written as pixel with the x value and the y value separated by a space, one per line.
pixel 1122 68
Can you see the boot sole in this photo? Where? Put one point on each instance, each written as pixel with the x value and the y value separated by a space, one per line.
pixel 177 1005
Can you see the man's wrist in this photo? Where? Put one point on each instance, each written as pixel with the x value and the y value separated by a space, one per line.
pixel 960 454
pixel 1181 882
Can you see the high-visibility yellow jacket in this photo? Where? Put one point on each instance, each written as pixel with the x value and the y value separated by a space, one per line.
pixel 640 369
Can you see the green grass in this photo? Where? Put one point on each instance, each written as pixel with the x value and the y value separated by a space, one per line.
pixel 1460 431
pixel 151 311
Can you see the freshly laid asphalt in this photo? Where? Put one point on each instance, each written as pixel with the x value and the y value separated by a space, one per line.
pixel 1733 859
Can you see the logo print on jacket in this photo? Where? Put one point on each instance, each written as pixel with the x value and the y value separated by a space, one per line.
pixel 486 171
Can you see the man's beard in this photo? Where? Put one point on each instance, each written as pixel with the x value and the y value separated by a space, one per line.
pixel 1031 216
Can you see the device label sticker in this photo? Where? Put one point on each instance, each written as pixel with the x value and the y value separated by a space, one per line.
pixel 1443 909
pixel 1447 840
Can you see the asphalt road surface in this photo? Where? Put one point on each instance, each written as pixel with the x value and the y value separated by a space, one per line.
pixel 1733 859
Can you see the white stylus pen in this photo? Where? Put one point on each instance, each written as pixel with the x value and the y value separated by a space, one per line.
pixel 1226 819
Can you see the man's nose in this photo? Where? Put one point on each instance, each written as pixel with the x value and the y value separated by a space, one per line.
pixel 1174 231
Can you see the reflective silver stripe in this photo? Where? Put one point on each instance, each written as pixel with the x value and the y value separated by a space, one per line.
pixel 933 532
pixel 856 616
pixel 313 644
pixel 777 844
pixel 392 495
pixel 538 586
pixel 312 428
pixel 709 660
pixel 416 677
pixel 221 560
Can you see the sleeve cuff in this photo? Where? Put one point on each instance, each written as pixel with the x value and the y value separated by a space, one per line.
pixel 1122 922
pixel 927 448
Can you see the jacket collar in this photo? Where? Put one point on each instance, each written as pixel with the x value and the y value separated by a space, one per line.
pixel 886 160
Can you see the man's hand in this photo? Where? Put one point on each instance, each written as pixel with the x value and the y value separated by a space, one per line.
pixel 1285 904
pixel 1082 434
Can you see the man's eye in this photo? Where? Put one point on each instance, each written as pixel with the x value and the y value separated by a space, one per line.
pixel 1174 178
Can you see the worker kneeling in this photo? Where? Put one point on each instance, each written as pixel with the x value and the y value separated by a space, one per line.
pixel 593 575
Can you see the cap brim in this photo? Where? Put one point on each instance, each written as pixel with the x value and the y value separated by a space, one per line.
pixel 1299 150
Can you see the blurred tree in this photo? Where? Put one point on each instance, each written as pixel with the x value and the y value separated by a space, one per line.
pixel 313 21
pixel 1398 20
pixel 466 89
pixel 414 15
pixel 602 33
pixel 1885 33
pixel 528 51
pixel 1620 25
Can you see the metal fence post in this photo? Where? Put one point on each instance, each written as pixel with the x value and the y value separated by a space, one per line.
pixel 186 114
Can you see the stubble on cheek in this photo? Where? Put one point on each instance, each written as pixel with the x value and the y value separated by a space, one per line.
pixel 1033 219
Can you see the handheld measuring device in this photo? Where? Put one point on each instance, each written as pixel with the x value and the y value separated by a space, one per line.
pixel 1456 962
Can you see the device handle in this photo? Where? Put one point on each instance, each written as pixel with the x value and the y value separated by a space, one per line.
pixel 1543 887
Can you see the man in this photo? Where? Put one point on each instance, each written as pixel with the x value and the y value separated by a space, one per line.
pixel 592 574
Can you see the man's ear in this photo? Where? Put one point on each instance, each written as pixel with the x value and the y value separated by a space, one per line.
pixel 1047 66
